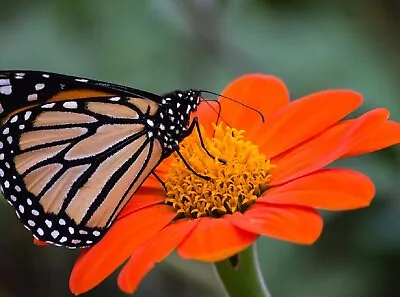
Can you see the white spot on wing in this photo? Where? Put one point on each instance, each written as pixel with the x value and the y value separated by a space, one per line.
pixel 49 105
pixel 70 104
pixel 55 234
pixel 48 223
pixel 81 80
pixel 4 82
pixel 14 119
pixel 32 97
pixel 6 90
pixel 27 115
pixel 38 87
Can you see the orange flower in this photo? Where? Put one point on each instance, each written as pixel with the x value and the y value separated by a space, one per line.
pixel 271 184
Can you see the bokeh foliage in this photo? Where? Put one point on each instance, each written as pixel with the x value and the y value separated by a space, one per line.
pixel 160 45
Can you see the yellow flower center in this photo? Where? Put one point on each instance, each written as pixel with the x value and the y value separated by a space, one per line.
pixel 233 187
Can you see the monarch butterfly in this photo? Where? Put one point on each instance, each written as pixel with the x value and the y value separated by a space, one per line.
pixel 74 150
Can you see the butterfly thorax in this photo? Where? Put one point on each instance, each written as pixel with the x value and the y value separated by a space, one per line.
pixel 173 119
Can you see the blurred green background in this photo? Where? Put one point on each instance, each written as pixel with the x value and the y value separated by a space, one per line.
pixel 161 45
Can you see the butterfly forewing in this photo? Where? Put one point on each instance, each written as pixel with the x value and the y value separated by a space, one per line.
pixel 21 89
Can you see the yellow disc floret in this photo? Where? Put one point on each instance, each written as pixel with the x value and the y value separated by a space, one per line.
pixel 233 187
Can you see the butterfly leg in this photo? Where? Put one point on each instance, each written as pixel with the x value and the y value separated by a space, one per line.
pixel 190 167
pixel 160 181
pixel 218 112
pixel 195 124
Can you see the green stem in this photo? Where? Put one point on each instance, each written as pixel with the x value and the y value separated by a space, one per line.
pixel 245 279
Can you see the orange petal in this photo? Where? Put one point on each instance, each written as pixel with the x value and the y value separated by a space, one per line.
pixel 39 242
pixel 305 118
pixel 162 169
pixel 123 238
pixel 285 222
pixel 215 240
pixel 330 189
pixel 158 248
pixel 207 112
pixel 380 137
pixel 144 197
pixel 324 148
pixel 265 93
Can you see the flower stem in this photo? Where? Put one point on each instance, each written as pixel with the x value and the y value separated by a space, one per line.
pixel 244 278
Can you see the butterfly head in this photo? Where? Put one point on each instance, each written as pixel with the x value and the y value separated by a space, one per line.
pixel 184 102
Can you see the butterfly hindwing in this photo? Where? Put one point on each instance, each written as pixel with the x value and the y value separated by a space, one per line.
pixel 69 167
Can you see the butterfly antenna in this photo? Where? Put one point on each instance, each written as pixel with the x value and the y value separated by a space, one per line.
pixel 238 102
pixel 212 107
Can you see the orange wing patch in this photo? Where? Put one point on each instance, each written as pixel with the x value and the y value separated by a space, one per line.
pixel 112 110
pixel 152 163
pixel 36 180
pixel 52 118
pixel 26 160
pixel 144 105
pixel 105 137
pixel 34 138
pixel 54 197
pixel 79 94
pixel 89 191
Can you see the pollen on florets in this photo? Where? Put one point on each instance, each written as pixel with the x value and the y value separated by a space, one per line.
pixel 233 187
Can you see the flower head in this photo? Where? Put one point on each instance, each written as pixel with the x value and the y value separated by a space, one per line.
pixel 272 182
pixel 233 186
